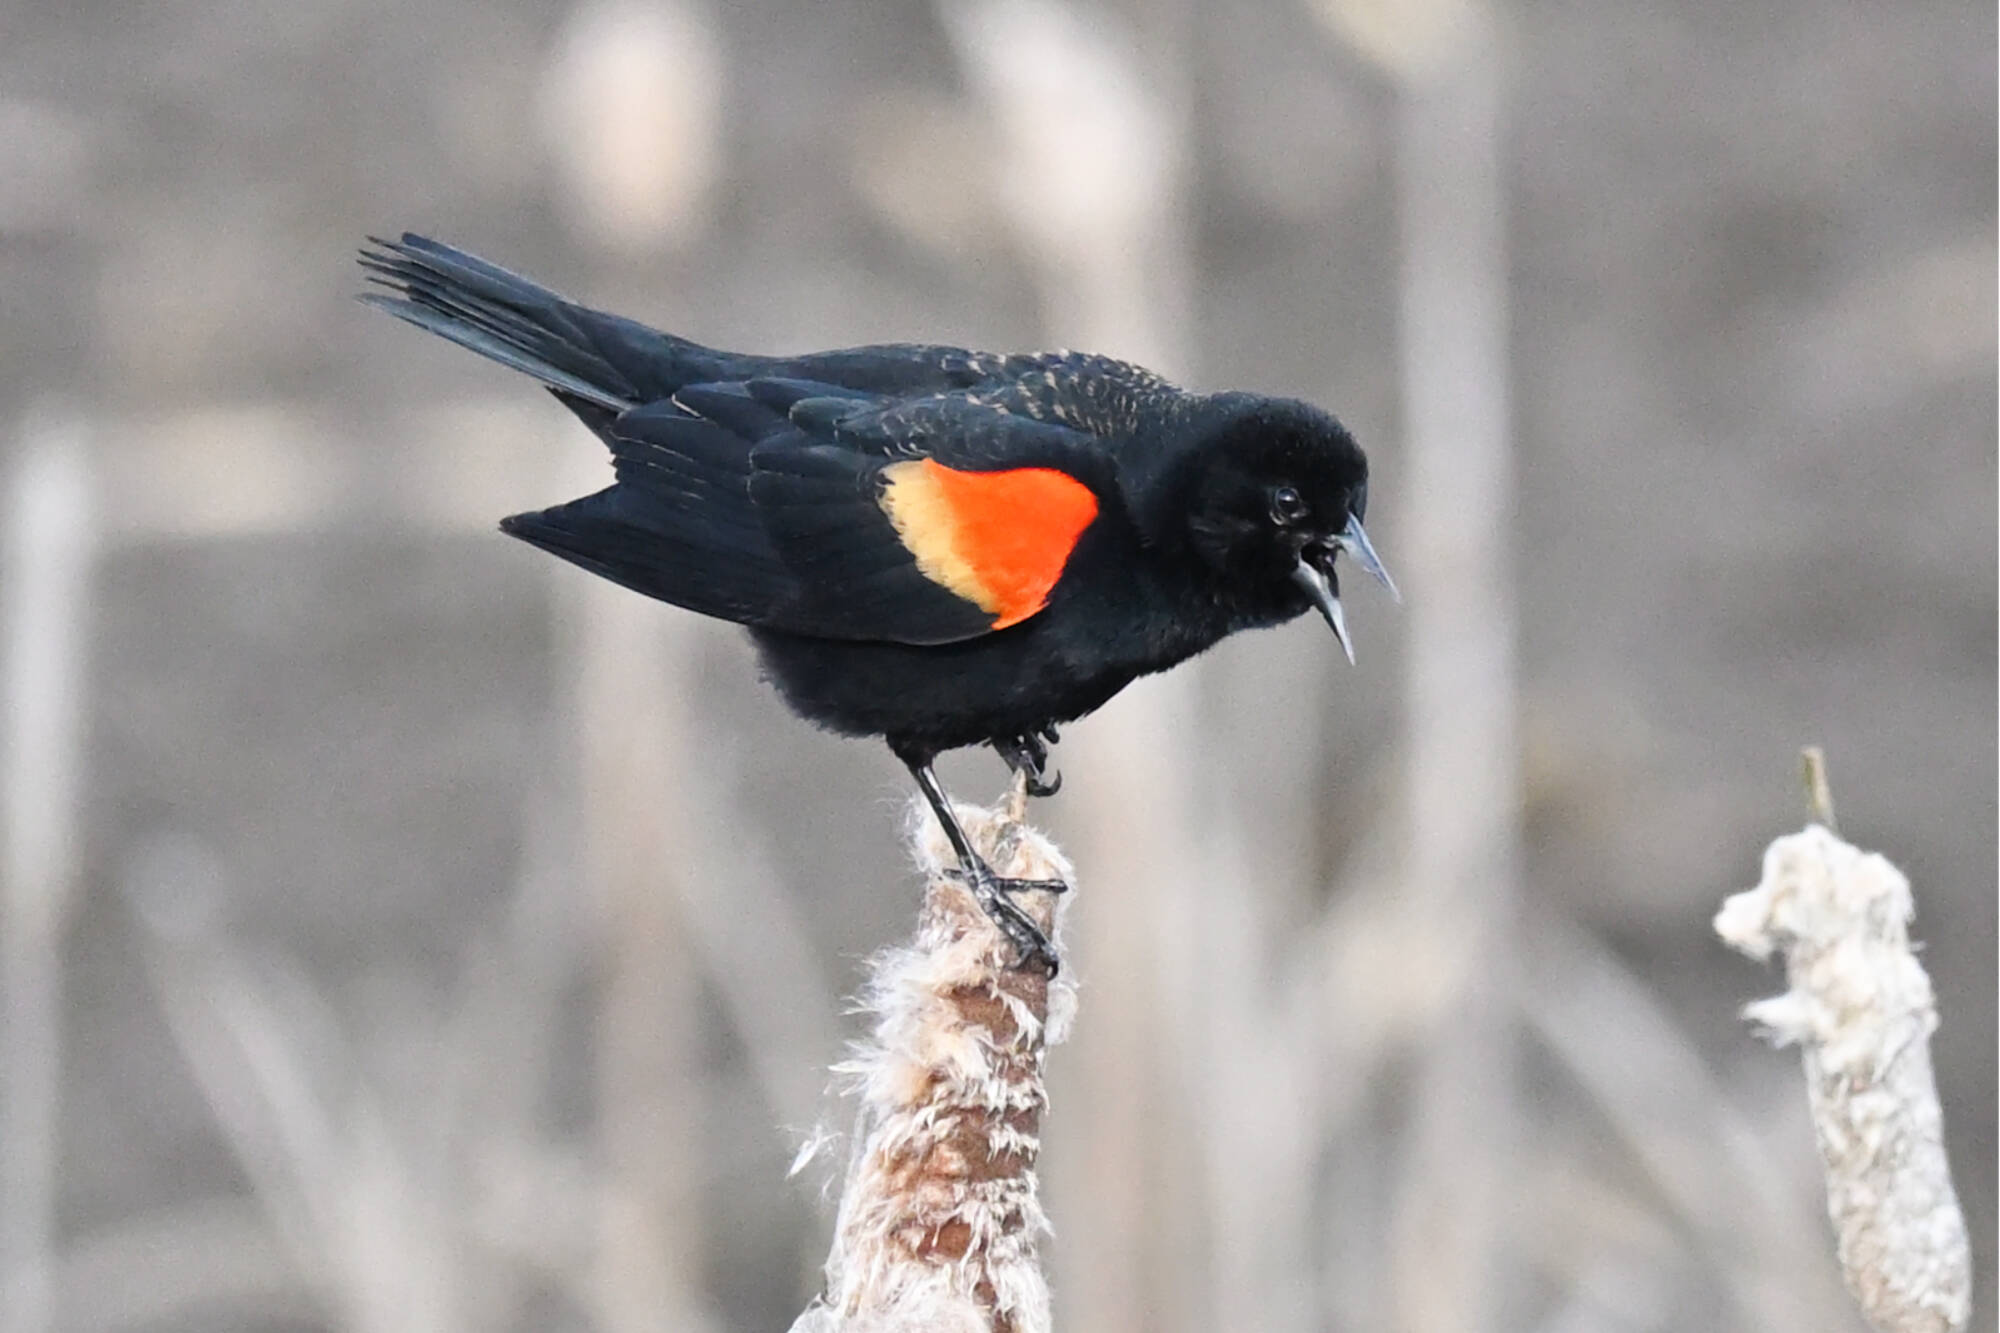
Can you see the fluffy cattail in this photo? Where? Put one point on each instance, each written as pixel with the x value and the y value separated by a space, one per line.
pixel 940 1222
pixel 1861 1009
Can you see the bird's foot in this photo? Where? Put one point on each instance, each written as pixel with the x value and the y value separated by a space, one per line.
pixel 995 897
pixel 1029 756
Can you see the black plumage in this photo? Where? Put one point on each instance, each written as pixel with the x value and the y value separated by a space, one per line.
pixel 932 545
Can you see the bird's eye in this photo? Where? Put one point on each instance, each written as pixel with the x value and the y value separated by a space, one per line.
pixel 1287 505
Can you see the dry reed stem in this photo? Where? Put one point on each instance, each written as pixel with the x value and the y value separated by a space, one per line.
pixel 940 1220
pixel 50 537
pixel 1861 1010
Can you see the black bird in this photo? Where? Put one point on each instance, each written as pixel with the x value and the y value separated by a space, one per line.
pixel 935 546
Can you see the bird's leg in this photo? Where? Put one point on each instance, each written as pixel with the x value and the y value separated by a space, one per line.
pixel 989 889
pixel 1029 756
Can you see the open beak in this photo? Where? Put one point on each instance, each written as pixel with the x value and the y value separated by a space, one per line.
pixel 1320 585
pixel 1355 542
pixel 1314 575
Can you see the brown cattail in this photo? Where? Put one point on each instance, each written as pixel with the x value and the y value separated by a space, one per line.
pixel 940 1222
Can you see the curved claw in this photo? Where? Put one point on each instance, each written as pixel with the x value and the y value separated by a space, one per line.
pixel 1029 756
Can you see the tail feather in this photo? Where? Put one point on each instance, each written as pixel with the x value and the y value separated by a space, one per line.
pixel 603 359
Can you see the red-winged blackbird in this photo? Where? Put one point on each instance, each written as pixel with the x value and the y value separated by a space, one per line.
pixel 935 546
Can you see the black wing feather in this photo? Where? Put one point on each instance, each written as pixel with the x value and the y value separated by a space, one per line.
pixel 726 507
pixel 624 534
pixel 786 535
pixel 749 487
pixel 819 503
pixel 677 525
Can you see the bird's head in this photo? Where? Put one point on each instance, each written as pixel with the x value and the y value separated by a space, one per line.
pixel 1275 491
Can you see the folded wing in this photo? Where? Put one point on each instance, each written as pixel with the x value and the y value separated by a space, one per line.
pixel 816 509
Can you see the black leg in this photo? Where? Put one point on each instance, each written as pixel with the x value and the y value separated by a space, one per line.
pixel 1029 755
pixel 989 889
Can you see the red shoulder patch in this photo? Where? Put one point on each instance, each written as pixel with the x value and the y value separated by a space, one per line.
pixel 997 539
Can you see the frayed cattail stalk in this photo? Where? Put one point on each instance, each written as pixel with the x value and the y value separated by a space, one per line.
pixel 1861 1010
pixel 940 1222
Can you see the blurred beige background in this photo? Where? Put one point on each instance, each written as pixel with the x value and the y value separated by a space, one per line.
pixel 404 932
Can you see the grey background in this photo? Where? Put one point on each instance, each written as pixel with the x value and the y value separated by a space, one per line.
pixel 1751 284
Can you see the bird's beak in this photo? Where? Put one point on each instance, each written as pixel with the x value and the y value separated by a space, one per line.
pixel 1320 585
pixel 1355 542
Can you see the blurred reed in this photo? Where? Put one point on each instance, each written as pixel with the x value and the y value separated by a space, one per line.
pixel 1461 751
pixel 51 538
